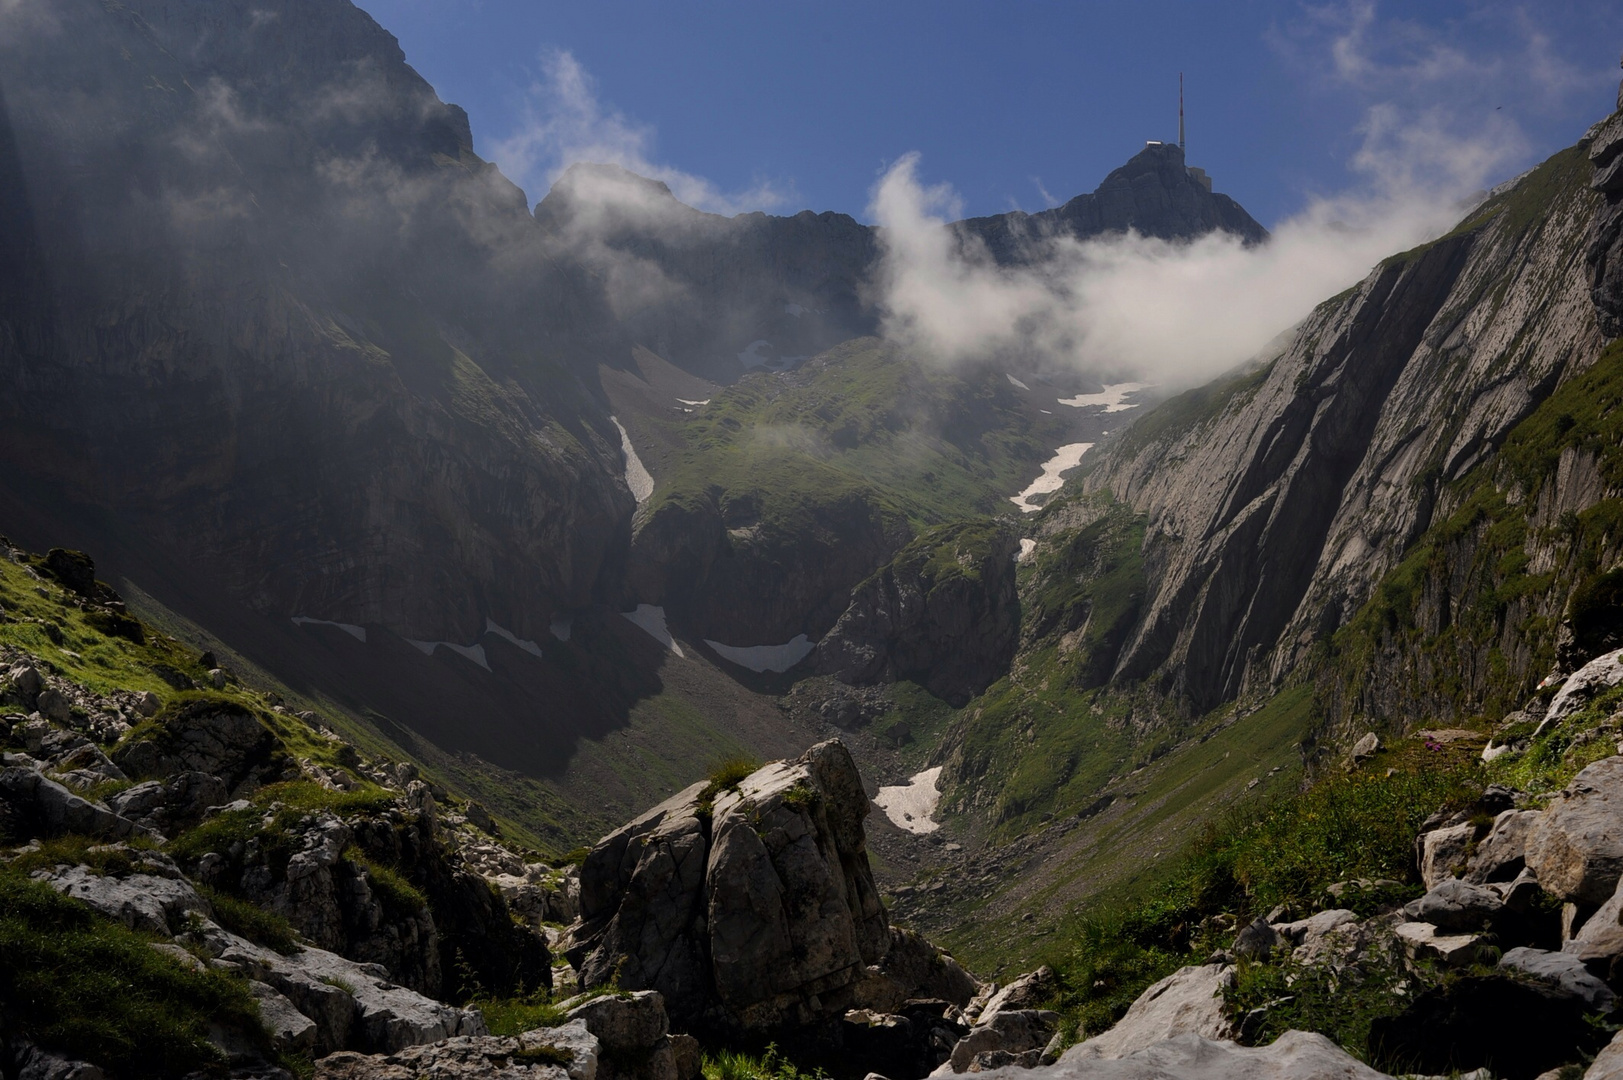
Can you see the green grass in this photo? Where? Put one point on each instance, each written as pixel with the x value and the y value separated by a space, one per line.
pixel 726 775
pixel 399 897
pixel 1283 850
pixel 75 982
pixel 863 421
pixel 254 923
pixel 73 850
pixel 516 1015
pixel 768 1065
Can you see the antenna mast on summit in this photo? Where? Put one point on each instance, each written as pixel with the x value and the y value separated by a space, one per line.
pixel 1180 110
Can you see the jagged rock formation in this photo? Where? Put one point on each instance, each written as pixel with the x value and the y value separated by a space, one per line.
pixel 1275 502
pixel 752 908
pixel 1154 194
pixel 944 613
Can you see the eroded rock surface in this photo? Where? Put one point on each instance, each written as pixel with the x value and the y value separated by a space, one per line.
pixel 752 911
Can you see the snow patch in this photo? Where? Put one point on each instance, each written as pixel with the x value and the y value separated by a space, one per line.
pixel 1016 381
pixel 685 401
pixel 910 805
pixel 476 653
pixel 638 478
pixel 651 620
pixel 356 632
pixel 562 626
pixel 528 646
pixel 1064 459
pixel 1111 399
pixel 1027 546
pixel 765 657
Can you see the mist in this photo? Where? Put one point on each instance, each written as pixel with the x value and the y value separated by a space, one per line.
pixel 1170 313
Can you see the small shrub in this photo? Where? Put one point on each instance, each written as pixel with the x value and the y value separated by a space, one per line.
pixel 726 776
pixel 342 984
pixel 73 850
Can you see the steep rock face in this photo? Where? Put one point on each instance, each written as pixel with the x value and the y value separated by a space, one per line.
pixel 944 613
pixel 1605 251
pixel 751 908
pixel 1153 194
pixel 254 260
pixel 1275 502
pixel 735 578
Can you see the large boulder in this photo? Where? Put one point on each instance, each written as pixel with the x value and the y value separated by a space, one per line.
pixel 1584 685
pixel 1456 905
pixel 1187 1002
pixel 1295 1055
pixel 748 909
pixel 1563 971
pixel 1599 941
pixel 1576 848
pixel 1502 854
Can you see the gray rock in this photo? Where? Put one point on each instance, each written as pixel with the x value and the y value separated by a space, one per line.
pixel 1456 905
pixel 207 737
pixel 479 1057
pixel 624 1023
pixel 352 1004
pixel 1501 854
pixel 25 679
pixel 1028 991
pixel 1583 685
pixel 1576 848
pixel 1425 941
pixel 768 916
pixel 1187 1002
pixel 1258 939
pixel 147 902
pixel 1443 852
pixel 1295 1055
pixel 33 1063
pixel 1563 971
pixel 39 806
pixel 1366 748
pixel 291 1031
pixel 688 1055
pixel 1012 1031
pixel 147 703
pixel 1599 940
pixel 54 705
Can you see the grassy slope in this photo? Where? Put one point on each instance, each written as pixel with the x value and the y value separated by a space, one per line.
pixel 862 419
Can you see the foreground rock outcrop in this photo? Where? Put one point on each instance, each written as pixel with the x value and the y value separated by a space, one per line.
pixel 751 908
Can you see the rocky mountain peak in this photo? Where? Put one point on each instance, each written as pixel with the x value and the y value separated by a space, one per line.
pixel 1154 193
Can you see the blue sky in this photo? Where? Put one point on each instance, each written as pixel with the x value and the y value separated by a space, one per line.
pixel 785 106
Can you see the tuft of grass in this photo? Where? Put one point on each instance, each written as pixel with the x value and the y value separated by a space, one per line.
pixel 726 776
pixel 769 1065
pixel 76 982
pixel 515 1015
pixel 251 921
pixel 400 898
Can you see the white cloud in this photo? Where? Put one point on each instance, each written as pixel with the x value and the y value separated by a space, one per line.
pixel 564 123
pixel 1171 312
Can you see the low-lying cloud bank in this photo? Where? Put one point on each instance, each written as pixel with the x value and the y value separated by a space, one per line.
pixel 1167 312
